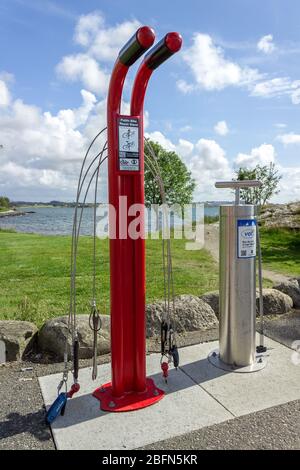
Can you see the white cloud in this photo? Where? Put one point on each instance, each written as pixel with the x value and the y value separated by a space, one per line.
pixel 205 159
pixel 212 155
pixel 185 128
pixel 288 139
pixel 87 28
pixel 289 185
pixel 262 155
pixel 221 128
pixel 280 125
pixel 4 94
pixel 160 138
pixel 103 42
pixel 211 70
pixel 184 148
pixel 185 87
pixel 28 176
pixel 208 164
pixel 85 69
pixel 295 94
pixel 278 87
pixel 100 44
pixel 42 152
pixel 266 44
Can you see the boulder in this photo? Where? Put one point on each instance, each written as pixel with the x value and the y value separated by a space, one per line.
pixel 18 338
pixel 275 302
pixel 53 334
pixel 191 314
pixel 290 288
pixel 212 299
pixel 281 215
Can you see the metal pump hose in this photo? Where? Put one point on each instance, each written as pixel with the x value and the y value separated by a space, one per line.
pixel 261 347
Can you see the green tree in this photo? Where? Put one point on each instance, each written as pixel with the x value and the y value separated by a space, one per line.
pixel 268 175
pixel 178 182
pixel 4 202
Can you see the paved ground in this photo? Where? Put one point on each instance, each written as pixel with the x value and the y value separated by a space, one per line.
pixel 22 412
pixel 22 415
pixel 212 244
pixel 274 428
pixel 197 395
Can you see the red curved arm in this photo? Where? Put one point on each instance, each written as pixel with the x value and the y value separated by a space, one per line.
pixel 164 49
pixel 133 49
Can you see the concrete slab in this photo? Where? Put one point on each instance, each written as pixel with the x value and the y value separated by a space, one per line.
pixel 186 407
pixel 241 394
pixel 198 395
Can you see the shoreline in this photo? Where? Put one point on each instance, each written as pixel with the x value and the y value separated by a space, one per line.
pixel 12 213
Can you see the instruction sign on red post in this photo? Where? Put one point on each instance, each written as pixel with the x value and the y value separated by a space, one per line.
pixel 128 130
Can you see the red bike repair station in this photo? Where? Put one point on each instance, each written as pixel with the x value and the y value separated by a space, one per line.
pixel 130 389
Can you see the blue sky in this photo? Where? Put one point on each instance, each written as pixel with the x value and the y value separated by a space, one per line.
pixel 231 97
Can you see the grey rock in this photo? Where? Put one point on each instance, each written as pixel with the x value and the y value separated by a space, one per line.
pixel 281 215
pixel 275 302
pixel 18 337
pixel 212 299
pixel 53 334
pixel 290 288
pixel 191 314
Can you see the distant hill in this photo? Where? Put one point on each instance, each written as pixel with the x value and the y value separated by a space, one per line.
pixel 50 203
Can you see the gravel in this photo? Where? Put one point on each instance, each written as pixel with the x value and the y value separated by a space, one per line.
pixel 275 428
pixel 22 412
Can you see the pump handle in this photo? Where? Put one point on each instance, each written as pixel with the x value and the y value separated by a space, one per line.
pixel 164 49
pixel 137 45
pixel 239 184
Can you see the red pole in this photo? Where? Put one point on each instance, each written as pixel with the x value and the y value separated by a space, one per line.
pixel 129 388
pixel 170 44
pixel 117 186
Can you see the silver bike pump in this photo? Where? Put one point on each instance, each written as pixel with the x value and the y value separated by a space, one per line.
pixel 237 276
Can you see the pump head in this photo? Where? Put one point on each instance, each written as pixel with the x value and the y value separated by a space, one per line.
pixel 238 185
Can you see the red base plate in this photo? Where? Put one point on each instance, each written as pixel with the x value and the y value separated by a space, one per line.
pixel 130 401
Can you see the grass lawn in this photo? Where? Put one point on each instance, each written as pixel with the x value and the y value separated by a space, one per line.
pixel 34 274
pixel 281 250
pixel 34 271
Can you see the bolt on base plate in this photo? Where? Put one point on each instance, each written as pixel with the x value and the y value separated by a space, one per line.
pixel 129 401
pixel 260 363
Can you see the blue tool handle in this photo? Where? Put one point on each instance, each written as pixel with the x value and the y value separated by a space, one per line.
pixel 56 407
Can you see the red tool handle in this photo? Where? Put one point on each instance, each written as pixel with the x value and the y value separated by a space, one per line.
pixel 74 389
pixel 137 45
pixel 164 49
pixel 165 369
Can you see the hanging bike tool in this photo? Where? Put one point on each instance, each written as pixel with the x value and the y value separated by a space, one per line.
pixel 59 405
pixel 95 325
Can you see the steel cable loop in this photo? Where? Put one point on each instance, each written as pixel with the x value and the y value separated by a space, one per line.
pixel 158 178
pixel 79 189
pixel 74 243
pixel 75 238
pixel 73 291
pixel 169 284
pixel 96 171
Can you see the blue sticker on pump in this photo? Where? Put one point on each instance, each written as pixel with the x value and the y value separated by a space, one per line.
pixel 246 238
